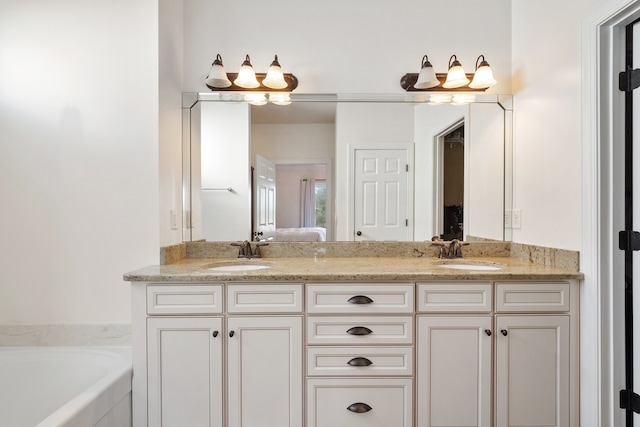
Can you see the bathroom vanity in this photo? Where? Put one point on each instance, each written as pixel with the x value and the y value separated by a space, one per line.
pixel 355 341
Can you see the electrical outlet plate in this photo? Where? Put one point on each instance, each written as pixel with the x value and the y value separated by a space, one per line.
pixel 516 218
pixel 173 219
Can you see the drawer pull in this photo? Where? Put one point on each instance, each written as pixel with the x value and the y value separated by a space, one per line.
pixel 359 408
pixel 360 299
pixel 359 330
pixel 360 361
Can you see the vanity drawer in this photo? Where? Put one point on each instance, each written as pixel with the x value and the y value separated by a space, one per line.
pixel 184 299
pixel 264 298
pixel 452 297
pixel 360 299
pixel 360 330
pixel 359 402
pixel 532 297
pixel 359 361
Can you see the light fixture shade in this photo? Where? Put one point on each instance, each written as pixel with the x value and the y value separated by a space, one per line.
pixel 483 77
pixel 427 77
pixel 246 76
pixel 217 76
pixel 275 77
pixel 456 76
pixel 280 98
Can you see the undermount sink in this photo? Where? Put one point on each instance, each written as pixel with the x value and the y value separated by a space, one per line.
pixel 472 265
pixel 239 265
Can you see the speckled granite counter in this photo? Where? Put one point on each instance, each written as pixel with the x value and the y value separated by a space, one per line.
pixel 349 269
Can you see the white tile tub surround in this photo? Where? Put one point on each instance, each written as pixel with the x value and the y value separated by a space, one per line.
pixel 91 334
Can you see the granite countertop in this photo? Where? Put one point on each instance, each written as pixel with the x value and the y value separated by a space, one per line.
pixel 349 269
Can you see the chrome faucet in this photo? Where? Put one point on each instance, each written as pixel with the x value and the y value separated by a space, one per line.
pixel 245 250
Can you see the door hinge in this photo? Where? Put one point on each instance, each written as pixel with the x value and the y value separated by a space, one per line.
pixel 629 80
pixel 630 401
pixel 629 240
pixel 406 222
pixel 406 168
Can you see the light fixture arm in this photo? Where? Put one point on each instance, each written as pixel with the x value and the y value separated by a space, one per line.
pixel 455 61
pixel 482 64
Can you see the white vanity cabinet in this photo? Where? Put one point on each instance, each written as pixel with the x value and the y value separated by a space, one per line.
pixel 522 337
pixel 211 364
pixel 360 354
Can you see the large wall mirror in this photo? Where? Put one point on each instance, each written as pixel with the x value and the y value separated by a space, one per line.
pixel 347 168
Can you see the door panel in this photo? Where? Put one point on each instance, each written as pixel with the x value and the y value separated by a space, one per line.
pixel 383 207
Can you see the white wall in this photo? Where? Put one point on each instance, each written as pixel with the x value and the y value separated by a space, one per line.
pixel 78 157
pixel 171 43
pixel 355 46
pixel 546 42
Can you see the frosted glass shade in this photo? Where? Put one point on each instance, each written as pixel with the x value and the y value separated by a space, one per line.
pixel 427 77
pixel 246 76
pixel 217 76
pixel 456 77
pixel 483 78
pixel 275 77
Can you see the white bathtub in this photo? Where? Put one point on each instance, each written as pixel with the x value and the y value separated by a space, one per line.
pixel 65 386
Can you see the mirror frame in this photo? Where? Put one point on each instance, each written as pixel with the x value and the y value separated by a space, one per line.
pixel 190 99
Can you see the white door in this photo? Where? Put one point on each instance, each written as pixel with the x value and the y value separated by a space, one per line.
pixel 454 371
pixel 264 215
pixel 184 372
pixel 264 371
pixel 383 203
pixel 532 371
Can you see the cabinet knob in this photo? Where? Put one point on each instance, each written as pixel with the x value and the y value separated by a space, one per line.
pixel 488 332
pixel 503 332
pixel 215 334
pixel 360 361
pixel 359 408
pixel 359 330
pixel 231 334
pixel 360 299
pixel 358 233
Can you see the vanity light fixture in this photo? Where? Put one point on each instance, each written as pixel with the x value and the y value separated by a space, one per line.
pixel 454 80
pixel 248 80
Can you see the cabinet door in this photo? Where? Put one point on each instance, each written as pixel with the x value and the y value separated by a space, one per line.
pixel 185 372
pixel 264 371
pixel 532 370
pixel 454 371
